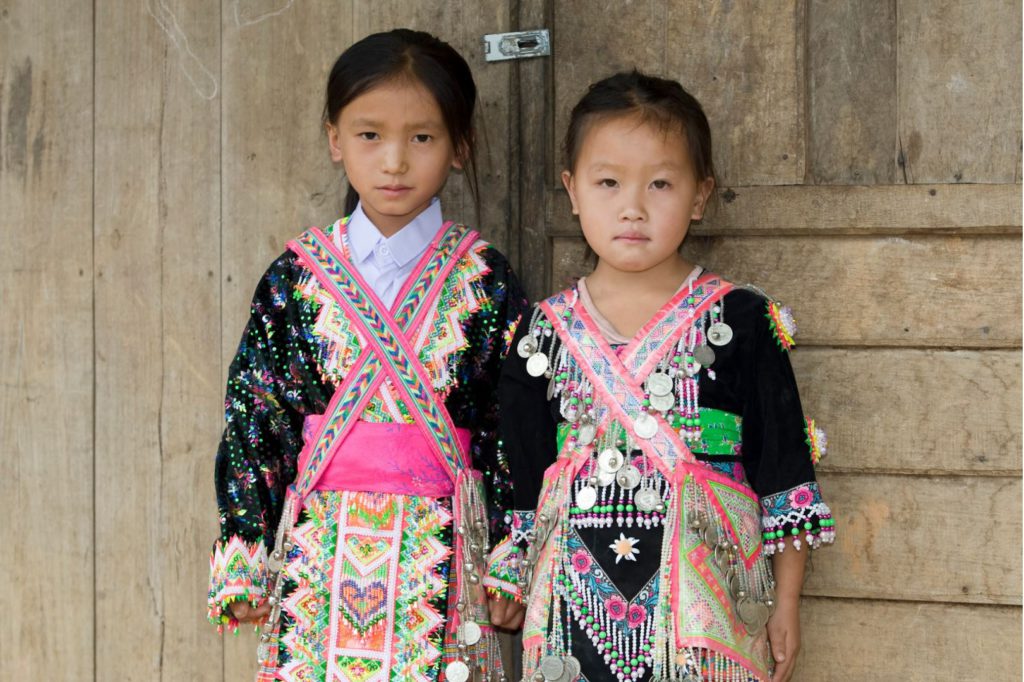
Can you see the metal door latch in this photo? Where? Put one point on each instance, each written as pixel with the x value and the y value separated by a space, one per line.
pixel 501 46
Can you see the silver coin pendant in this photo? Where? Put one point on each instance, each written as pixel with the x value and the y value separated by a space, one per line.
pixel 645 426
pixel 537 365
pixel 719 334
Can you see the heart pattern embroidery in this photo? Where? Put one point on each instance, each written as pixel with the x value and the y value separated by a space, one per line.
pixel 363 605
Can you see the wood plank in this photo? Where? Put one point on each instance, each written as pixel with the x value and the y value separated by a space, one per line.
pixel 915 411
pixel 959 87
pixel 946 539
pixel 277 175
pixel 867 291
pixel 851 83
pixel 592 40
pixel 533 142
pixel 463 26
pixel 46 350
pixel 864 641
pixel 746 66
pixel 838 210
pixel 158 341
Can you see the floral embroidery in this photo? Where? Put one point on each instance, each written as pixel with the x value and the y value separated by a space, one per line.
pixel 636 615
pixel 616 607
pixel 801 497
pixel 782 323
pixel 817 441
pixel 520 523
pixel 581 561
pixel 792 512
pixel 625 548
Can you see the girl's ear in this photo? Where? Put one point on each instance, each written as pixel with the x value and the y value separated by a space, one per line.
pixel 570 186
pixel 334 141
pixel 461 155
pixel 700 202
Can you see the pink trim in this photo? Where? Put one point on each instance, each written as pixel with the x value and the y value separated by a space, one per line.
pixel 387 458
pixel 400 339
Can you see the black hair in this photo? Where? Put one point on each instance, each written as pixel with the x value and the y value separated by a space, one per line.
pixel 432 63
pixel 654 99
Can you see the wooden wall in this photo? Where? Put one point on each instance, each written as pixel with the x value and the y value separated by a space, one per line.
pixel 155 155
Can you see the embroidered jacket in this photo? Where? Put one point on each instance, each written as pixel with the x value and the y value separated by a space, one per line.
pixel 653 479
pixel 296 349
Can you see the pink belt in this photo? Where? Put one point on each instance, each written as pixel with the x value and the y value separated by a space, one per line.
pixel 385 458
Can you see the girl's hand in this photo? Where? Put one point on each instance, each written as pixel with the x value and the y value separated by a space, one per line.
pixel 247 613
pixel 505 613
pixel 784 636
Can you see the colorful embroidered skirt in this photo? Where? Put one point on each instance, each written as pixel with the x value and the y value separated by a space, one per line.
pixel 367 589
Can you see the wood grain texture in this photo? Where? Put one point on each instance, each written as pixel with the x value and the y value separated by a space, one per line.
pixel 278 178
pixel 592 40
pixel 847 210
pixel 921 412
pixel 945 539
pixel 157 336
pixel 746 66
pixel 463 26
pixel 46 347
pixel 855 640
pixel 867 291
pixel 959 90
pixel 851 83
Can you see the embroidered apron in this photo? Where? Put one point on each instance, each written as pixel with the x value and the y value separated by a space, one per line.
pixel 714 581
pixel 387 354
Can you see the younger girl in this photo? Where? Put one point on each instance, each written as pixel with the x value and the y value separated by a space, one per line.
pixel 656 403
pixel 358 484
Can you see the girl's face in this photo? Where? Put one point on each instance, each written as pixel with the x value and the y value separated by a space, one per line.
pixel 396 151
pixel 635 192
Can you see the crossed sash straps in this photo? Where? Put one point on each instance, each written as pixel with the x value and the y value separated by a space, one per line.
pixel 387 351
pixel 619 381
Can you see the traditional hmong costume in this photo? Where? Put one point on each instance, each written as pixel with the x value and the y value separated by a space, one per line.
pixel 357 479
pixel 654 476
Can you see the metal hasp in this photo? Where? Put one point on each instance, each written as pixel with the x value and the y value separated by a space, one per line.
pixel 501 46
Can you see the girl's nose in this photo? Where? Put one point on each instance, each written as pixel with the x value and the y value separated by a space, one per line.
pixel 632 207
pixel 394 162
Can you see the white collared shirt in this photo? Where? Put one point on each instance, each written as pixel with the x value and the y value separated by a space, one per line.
pixel 386 262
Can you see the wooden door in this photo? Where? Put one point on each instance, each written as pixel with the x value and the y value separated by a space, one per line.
pixel 859 182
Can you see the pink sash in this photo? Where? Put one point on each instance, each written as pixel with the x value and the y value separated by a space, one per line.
pixel 384 458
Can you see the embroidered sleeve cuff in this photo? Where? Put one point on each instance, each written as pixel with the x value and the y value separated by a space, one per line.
pixel 238 572
pixel 520 523
pixel 798 513
pixel 502 579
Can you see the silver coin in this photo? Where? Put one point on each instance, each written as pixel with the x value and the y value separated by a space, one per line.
pixel 586 498
pixel 753 614
pixel 647 499
pixel 527 346
pixel 704 355
pixel 628 477
pixel 457 671
pixel 587 434
pixel 572 668
pixel 645 426
pixel 471 633
pixel 605 478
pixel 610 460
pixel 537 365
pixel 552 667
pixel 663 403
pixel 659 383
pixel 711 536
pixel 568 410
pixel 551 388
pixel 719 334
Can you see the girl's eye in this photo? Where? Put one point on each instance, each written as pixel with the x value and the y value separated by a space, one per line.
pixel 369 136
pixel 422 137
pixel 608 182
pixel 661 184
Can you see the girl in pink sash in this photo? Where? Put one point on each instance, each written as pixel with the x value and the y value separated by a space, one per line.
pixel 662 465
pixel 361 497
